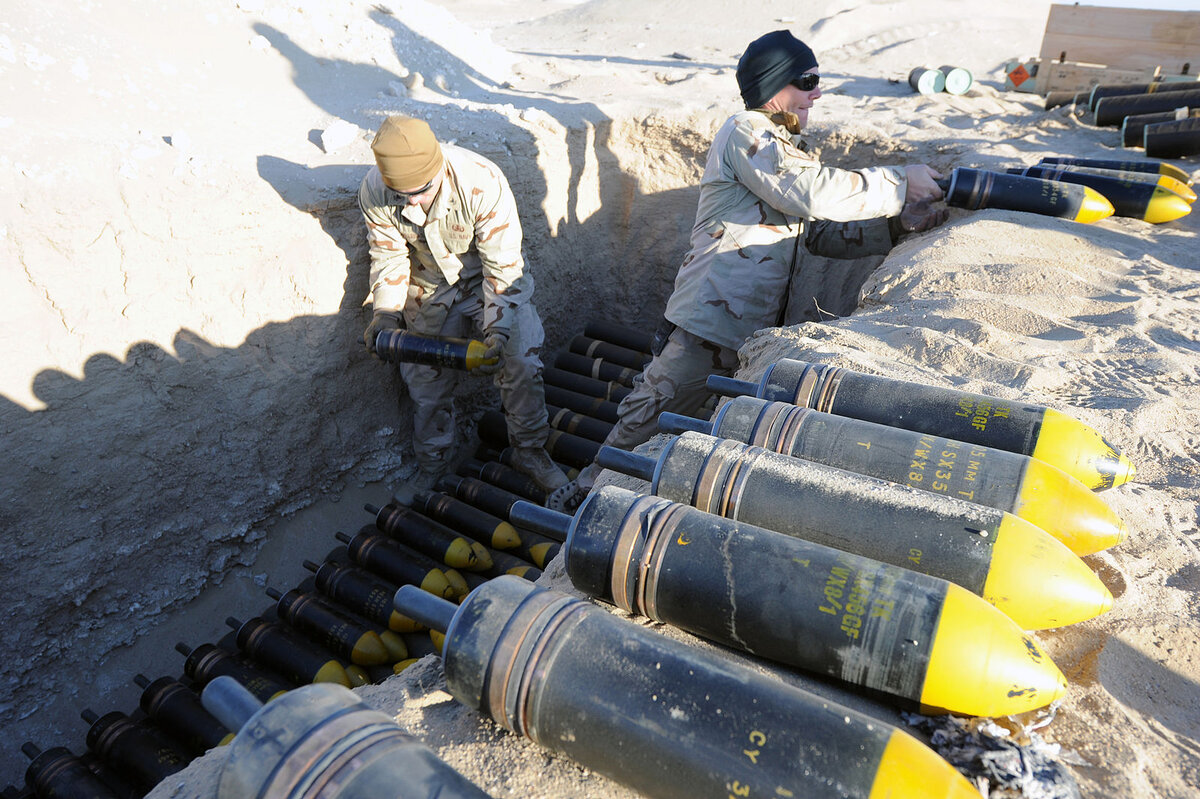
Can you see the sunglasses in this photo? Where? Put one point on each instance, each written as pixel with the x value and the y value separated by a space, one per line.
pixel 415 192
pixel 807 82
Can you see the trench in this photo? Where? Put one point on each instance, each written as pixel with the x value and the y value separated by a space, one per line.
pixel 163 545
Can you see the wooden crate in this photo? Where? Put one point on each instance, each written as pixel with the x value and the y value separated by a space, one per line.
pixel 1110 41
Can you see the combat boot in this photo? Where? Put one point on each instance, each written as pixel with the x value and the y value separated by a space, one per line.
pixel 535 463
pixel 424 480
pixel 569 496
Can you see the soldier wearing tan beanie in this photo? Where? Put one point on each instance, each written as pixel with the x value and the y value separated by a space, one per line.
pixel 407 153
pixel 445 245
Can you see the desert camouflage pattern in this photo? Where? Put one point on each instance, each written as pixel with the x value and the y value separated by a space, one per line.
pixel 470 239
pixel 673 382
pixel 522 391
pixel 458 271
pixel 759 193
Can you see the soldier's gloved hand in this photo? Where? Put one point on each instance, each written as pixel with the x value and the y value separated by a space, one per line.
pixel 494 342
pixel 380 321
pixel 916 217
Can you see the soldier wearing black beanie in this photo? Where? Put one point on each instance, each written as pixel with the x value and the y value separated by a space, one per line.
pixel 771 62
pixel 766 204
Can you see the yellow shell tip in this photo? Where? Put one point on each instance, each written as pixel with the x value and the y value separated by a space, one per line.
pixel 1095 207
pixel 1166 207
pixel 482 558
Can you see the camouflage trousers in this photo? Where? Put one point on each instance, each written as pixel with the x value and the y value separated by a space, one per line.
pixel 673 382
pixel 522 391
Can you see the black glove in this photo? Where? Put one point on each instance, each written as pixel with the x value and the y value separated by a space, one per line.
pixel 917 217
pixel 495 343
pixel 380 321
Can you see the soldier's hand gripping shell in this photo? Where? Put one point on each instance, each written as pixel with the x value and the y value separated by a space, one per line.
pixel 920 184
pixel 380 321
pixel 917 217
pixel 495 343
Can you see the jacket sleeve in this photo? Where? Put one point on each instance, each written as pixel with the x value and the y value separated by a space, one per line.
pixel 389 275
pixel 794 182
pixel 498 241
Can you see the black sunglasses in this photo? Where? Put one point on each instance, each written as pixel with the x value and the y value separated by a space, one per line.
pixel 415 192
pixel 807 82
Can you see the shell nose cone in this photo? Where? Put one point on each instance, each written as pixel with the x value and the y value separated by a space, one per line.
pixel 1039 582
pixel 1083 599
pixel 1091 524
pixel 1166 206
pixel 982 664
pixel 1095 207
pixel 1097 531
pixel 1068 510
pixel 1044 682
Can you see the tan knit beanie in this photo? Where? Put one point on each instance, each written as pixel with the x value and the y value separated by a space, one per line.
pixel 407 152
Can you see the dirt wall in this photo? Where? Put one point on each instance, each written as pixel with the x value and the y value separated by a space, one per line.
pixel 209 378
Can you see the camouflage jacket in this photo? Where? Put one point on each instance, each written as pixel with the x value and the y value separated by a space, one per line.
pixel 469 241
pixel 759 193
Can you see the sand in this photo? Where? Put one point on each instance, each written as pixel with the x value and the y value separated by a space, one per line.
pixel 187 410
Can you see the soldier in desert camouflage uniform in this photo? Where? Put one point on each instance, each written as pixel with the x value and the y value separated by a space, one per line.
pixel 765 203
pixel 445 246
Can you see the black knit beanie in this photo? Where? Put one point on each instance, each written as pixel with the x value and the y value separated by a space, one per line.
pixel 771 62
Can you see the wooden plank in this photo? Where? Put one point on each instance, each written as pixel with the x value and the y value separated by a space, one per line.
pixel 1117 53
pixel 1123 37
pixel 1148 26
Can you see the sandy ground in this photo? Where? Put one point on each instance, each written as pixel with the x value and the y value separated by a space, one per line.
pixel 187 412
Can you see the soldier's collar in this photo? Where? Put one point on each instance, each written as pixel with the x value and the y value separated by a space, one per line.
pixel 415 214
pixel 785 119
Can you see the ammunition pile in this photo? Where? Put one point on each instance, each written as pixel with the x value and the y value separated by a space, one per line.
pixel 883 533
pixel 338 629
pixel 1160 117
pixel 1163 112
pixel 977 188
pixel 1088 190
pixel 898 538
pixel 662 717
pixel 1138 195
pixel 1081 190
